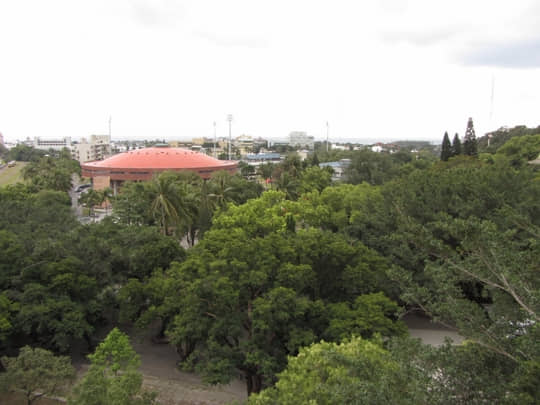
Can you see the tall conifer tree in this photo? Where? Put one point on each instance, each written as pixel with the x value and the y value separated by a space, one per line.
pixel 456 145
pixel 470 147
pixel 446 148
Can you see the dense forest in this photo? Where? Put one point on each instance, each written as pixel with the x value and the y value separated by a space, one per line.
pixel 292 282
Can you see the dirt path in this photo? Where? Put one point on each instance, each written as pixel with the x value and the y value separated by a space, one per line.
pixel 429 332
pixel 158 365
pixel 174 387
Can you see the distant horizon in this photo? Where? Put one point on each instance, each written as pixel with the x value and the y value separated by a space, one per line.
pixel 356 140
pixel 361 141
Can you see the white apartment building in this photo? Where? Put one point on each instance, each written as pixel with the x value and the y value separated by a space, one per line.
pixel 301 139
pixel 98 147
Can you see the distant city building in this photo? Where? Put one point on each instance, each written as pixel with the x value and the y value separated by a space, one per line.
pixel 202 141
pixel 336 146
pixel 244 144
pixel 256 159
pixel 1 139
pixel 384 147
pixel 98 147
pixel 337 167
pixel 301 139
pixel 46 144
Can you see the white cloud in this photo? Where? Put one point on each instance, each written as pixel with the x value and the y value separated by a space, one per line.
pixel 162 68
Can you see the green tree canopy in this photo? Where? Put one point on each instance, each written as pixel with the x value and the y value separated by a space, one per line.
pixel 470 147
pixel 112 377
pixel 456 145
pixel 36 373
pixel 446 148
pixel 353 372
pixel 520 150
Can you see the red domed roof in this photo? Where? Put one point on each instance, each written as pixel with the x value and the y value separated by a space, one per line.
pixel 160 158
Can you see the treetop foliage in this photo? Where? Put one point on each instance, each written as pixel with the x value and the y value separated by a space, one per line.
pixel 272 275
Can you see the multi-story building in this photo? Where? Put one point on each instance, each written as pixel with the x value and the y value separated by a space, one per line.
pixel 98 147
pixel 301 139
pixel 244 144
pixel 46 144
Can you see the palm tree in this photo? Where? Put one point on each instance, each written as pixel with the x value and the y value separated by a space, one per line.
pixel 206 208
pixel 265 170
pixel 164 206
pixel 189 207
pixel 221 188
pixel 175 204
pixel 106 196
pixel 288 184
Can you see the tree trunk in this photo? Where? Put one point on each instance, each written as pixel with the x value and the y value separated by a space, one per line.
pixel 253 383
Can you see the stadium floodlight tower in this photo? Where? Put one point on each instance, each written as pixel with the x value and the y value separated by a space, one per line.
pixel 215 139
pixel 327 132
pixel 230 118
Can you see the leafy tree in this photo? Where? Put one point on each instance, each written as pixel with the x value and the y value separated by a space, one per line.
pixel 3 151
pixel 131 204
pixel 7 310
pixel 491 142
pixel 503 268
pixel 456 145
pixel 368 315
pixel 353 372
pixel 246 170
pixel 315 159
pixel 24 153
pixel 371 167
pixel 91 199
pixel 36 373
pixel 446 148
pixel 314 178
pixel 520 150
pixel 51 172
pixel 252 292
pixel 112 377
pixel 265 170
pixel 467 374
pixel 470 147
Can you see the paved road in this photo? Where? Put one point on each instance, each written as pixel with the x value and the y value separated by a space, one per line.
pixel 78 209
pixel 76 181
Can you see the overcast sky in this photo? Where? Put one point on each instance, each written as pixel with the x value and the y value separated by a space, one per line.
pixel 374 69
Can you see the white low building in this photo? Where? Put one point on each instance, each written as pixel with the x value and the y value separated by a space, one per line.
pixel 55 144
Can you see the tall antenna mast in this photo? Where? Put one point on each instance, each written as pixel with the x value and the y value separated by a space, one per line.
pixel 214 139
pixel 492 97
pixel 327 131
pixel 491 106
pixel 229 118
pixel 110 121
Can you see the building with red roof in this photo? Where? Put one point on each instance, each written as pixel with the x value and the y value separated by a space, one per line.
pixel 143 164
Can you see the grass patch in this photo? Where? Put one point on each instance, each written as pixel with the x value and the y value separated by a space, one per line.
pixel 12 175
